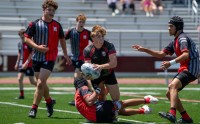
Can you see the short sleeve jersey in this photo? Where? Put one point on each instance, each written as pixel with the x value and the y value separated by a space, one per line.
pixel 78 40
pixel 45 33
pixel 89 112
pixel 24 51
pixel 100 56
pixel 181 44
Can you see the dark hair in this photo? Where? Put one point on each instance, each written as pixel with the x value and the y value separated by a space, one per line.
pixel 48 3
pixel 79 82
pixel 21 32
pixel 177 22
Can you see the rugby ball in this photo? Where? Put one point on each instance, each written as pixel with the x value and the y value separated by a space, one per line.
pixel 88 70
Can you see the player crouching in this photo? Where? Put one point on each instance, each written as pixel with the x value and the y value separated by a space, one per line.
pixel 105 111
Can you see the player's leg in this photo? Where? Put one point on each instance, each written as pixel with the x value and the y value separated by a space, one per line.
pixel 173 95
pixel 113 91
pixel 20 77
pixel 179 82
pixel 112 86
pixel 45 72
pixel 130 111
pixel 41 86
pixel 134 102
pixel 185 79
pixel 30 74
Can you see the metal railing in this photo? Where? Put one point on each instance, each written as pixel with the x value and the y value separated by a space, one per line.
pixel 193 9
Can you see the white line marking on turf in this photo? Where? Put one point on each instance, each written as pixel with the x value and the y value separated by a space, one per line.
pixel 65 111
pixel 121 88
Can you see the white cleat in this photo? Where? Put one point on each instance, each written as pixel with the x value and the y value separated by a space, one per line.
pixel 152 99
pixel 146 109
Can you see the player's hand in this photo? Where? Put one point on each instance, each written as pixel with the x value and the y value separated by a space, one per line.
pixel 87 77
pixel 42 48
pixel 16 66
pixel 68 60
pixel 138 48
pixel 97 67
pixel 24 66
pixel 165 65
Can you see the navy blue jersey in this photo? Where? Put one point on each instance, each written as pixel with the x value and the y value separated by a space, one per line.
pixel 181 44
pixel 24 50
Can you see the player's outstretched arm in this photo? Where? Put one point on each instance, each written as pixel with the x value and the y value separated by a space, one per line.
pixel 158 54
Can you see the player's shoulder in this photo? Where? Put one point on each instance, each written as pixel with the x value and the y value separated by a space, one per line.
pixel 33 22
pixel 182 37
pixel 108 44
pixel 87 30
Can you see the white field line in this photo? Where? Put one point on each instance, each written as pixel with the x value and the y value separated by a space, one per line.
pixel 70 90
pixel 64 111
pixel 122 88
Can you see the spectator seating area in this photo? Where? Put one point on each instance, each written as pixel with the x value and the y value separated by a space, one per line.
pixel 123 30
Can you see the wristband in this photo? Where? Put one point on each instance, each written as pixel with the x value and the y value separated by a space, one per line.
pixel 98 90
pixel 172 62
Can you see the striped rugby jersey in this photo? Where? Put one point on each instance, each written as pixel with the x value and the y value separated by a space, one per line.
pixel 181 44
pixel 78 40
pixel 24 51
pixel 45 33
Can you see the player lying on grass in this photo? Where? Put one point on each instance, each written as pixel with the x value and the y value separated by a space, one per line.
pixel 104 111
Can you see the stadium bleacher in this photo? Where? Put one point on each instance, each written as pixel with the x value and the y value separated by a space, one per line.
pixel 123 30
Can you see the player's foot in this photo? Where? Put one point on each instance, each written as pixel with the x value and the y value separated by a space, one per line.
pixel 72 103
pixel 32 113
pixel 168 116
pixel 115 119
pixel 50 107
pixel 182 121
pixel 146 109
pixel 20 97
pixel 150 99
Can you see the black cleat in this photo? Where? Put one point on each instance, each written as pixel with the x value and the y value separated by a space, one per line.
pixel 168 116
pixel 182 121
pixel 20 97
pixel 72 103
pixel 32 113
pixel 50 107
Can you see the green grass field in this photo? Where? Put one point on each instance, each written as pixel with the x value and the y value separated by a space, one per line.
pixel 16 111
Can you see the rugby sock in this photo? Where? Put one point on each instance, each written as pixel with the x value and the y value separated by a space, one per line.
pixel 147 100
pixel 173 111
pixel 21 92
pixel 140 111
pixel 185 115
pixel 34 106
pixel 48 100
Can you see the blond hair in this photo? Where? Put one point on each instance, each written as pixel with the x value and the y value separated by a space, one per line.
pixel 97 30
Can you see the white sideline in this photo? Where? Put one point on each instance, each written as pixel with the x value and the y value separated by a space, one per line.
pixel 57 110
pixel 122 88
